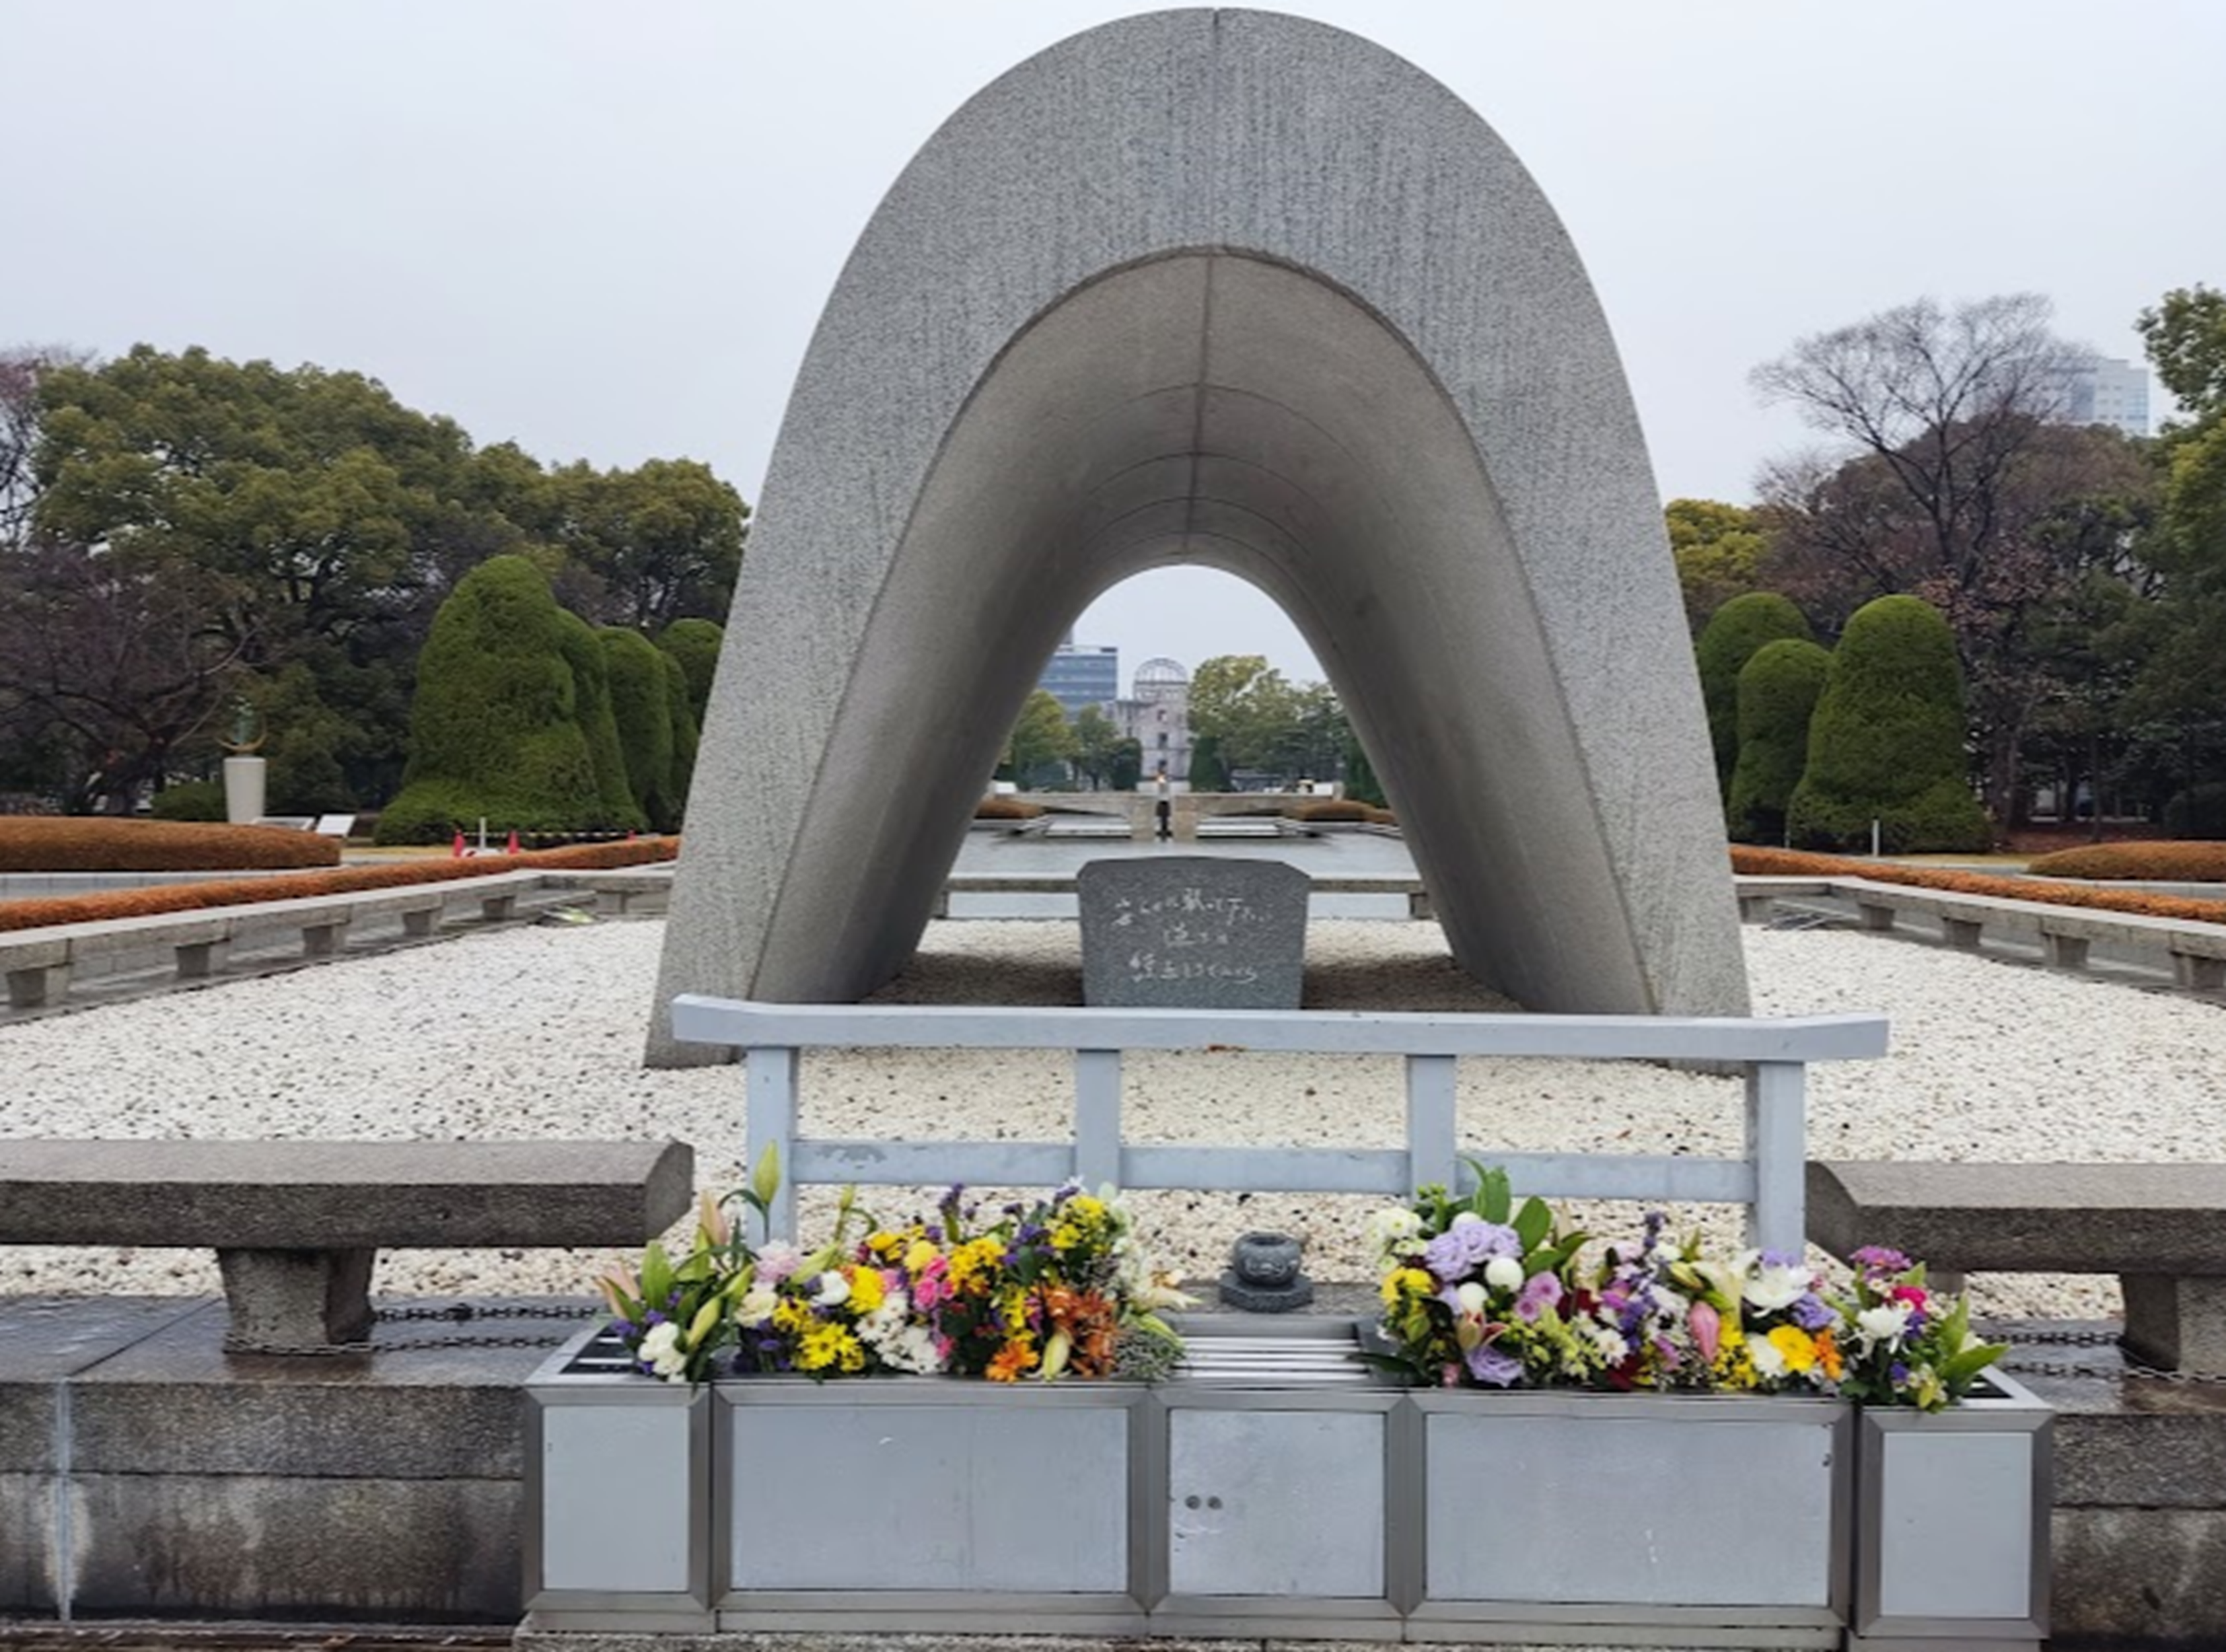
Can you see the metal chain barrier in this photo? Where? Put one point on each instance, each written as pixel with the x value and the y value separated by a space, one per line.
pixel 454 1313
pixel 2124 1365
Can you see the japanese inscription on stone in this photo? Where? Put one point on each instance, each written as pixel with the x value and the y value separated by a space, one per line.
pixel 1193 931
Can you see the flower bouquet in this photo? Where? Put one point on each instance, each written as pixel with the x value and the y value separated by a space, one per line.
pixel 1479 1291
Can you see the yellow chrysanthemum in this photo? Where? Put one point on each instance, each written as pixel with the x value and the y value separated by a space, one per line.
pixel 972 1261
pixel 1065 1237
pixel 867 1291
pixel 1084 1206
pixel 919 1257
pixel 1797 1345
pixel 1406 1281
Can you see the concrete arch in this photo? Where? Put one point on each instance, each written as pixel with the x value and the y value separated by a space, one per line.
pixel 1232 288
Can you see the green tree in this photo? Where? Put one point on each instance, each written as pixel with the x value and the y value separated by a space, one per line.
pixel 1097 743
pixel 1208 772
pixel 1726 643
pixel 1778 692
pixel 695 643
pixel 643 722
pixel 1718 548
pixel 494 728
pixel 662 542
pixel 1127 768
pixel 2182 681
pixel 1360 782
pixel 1041 743
pixel 1886 740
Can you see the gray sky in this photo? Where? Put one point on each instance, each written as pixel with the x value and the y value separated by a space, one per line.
pixel 607 232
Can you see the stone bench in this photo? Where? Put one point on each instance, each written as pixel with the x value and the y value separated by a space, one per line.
pixel 37 962
pixel 2160 1228
pixel 2198 951
pixel 621 891
pixel 296 1225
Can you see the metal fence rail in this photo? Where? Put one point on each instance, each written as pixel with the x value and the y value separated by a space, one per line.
pixel 1768 1179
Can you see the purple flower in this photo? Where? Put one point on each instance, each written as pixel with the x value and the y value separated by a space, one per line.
pixel 1878 1259
pixel 1811 1313
pixel 1540 1292
pixel 1898 1374
pixel 1493 1368
pixel 1467 1246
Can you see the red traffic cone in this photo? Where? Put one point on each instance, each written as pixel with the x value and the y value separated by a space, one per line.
pixel 631 834
pixel 456 849
pixel 512 847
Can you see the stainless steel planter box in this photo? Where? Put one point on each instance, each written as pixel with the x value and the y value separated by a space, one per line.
pixel 1600 1512
pixel 927 1503
pixel 618 1518
pixel 1328 1509
pixel 1952 1523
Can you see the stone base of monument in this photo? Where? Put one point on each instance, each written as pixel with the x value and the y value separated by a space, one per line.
pixel 1232 1502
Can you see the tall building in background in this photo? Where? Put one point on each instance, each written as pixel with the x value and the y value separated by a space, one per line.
pixel 2108 391
pixel 1156 715
pixel 1078 676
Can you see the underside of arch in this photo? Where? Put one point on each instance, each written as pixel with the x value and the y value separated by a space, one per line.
pixel 1372 382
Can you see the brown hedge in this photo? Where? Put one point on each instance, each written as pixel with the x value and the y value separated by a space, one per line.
pixel 1334 810
pixel 107 843
pixel 194 897
pixel 1006 808
pixel 1795 863
pixel 2161 862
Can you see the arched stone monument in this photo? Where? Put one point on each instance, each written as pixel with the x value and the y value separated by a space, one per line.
pixel 1237 288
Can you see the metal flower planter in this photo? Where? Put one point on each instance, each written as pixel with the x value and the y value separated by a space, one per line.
pixel 1317 1506
pixel 1952 1523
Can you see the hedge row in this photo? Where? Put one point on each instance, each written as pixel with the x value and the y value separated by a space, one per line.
pixel 106 844
pixel 194 897
pixel 1006 808
pixel 2158 861
pixel 1794 863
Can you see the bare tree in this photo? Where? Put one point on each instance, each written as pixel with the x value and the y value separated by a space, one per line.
pixel 19 369
pixel 1949 459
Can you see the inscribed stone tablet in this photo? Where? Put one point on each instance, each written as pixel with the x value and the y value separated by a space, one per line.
pixel 1193 931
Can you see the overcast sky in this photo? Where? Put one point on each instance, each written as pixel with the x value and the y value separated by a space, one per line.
pixel 606 231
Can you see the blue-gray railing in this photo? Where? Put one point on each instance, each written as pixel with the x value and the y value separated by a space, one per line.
pixel 1767 1178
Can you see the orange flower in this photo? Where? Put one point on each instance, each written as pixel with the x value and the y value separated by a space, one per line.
pixel 1828 1355
pixel 1015 1356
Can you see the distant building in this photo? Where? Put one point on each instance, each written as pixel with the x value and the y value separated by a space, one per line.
pixel 1076 676
pixel 2108 391
pixel 1156 715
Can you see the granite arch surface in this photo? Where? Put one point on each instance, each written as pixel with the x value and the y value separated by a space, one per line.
pixel 1237 288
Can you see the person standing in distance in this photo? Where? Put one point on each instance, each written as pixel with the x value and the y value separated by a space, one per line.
pixel 1162 806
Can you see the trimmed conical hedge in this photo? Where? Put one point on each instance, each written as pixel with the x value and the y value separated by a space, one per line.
pixel 644 719
pixel 1726 643
pixel 695 643
pixel 1887 739
pixel 686 737
pixel 1778 693
pixel 495 727
pixel 596 708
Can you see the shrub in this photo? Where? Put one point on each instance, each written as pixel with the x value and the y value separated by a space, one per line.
pixel 1331 810
pixel 196 896
pixel 494 728
pixel 191 800
pixel 1726 643
pixel 685 738
pixel 995 808
pixel 2199 811
pixel 1795 863
pixel 1885 742
pixel 693 645
pixel 1777 691
pixel 106 843
pixel 645 721
pixel 592 704
pixel 2157 862
pixel 1382 817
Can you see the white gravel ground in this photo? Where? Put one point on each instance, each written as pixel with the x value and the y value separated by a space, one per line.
pixel 536 1033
